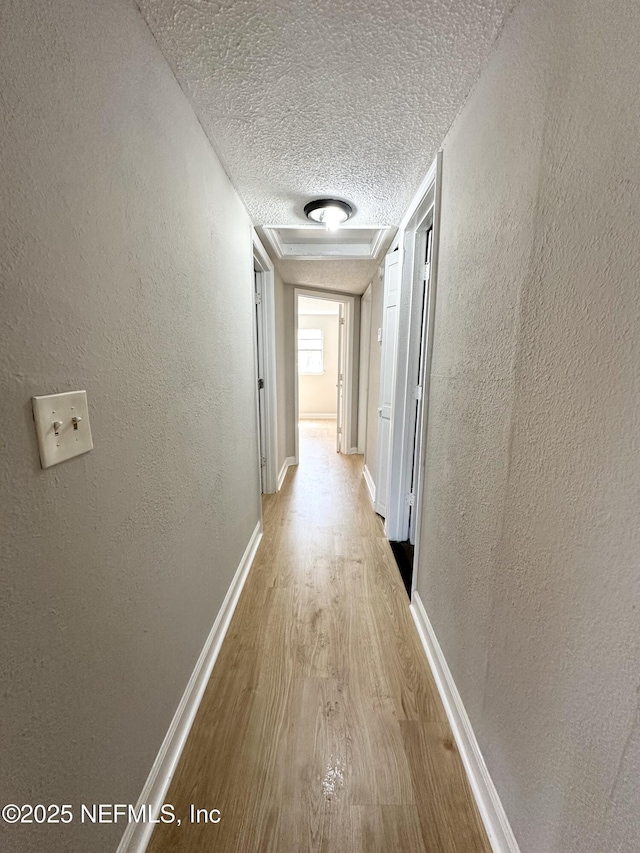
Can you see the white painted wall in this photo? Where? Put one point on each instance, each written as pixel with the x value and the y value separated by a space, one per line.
pixel 317 395
pixel 530 542
pixel 126 271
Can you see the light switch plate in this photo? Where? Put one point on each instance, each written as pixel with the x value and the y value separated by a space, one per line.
pixel 62 426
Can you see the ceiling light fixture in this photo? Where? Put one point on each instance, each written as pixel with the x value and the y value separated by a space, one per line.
pixel 330 212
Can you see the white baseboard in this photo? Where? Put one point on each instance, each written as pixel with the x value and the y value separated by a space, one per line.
pixel 495 821
pixel 354 450
pixel 317 416
pixel 137 835
pixel 370 484
pixel 290 460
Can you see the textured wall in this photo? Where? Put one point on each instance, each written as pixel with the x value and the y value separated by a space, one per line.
pixel 530 550
pixel 377 301
pixel 125 263
pixel 318 394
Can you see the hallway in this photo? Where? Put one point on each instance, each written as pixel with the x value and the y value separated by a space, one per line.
pixel 321 728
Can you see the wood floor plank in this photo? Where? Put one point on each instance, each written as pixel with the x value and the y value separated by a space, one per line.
pixel 315 811
pixel 381 829
pixel 321 729
pixel 412 684
pixel 381 774
pixel 449 818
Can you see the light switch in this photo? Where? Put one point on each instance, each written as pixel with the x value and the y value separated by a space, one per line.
pixel 380 335
pixel 62 426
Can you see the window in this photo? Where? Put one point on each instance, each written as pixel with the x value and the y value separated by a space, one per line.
pixel 310 351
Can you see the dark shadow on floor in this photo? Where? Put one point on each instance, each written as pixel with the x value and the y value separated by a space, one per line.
pixel 403 552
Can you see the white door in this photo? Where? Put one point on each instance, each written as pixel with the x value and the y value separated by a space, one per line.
pixel 340 382
pixel 387 378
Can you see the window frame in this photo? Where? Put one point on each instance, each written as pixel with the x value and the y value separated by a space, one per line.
pixel 311 349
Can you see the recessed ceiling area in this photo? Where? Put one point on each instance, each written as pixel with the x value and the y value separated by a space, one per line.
pixel 314 243
pixel 325 99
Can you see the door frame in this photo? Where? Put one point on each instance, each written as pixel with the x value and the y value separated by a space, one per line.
pixel 264 266
pixel 349 315
pixel 391 344
pixel 423 211
pixel 340 385
pixel 363 368
pixel 422 276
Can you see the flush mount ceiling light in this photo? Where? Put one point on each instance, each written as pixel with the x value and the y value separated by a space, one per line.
pixel 330 212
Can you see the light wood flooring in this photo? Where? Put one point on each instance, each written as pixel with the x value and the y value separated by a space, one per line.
pixel 321 728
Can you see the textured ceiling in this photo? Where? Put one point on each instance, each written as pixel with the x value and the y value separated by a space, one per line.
pixel 344 276
pixel 305 99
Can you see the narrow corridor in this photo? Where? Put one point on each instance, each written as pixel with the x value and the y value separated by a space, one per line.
pixel 321 728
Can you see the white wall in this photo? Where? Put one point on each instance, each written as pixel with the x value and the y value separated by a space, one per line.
pixel 126 270
pixel 317 395
pixel 530 542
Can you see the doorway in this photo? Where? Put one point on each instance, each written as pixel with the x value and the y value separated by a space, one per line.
pixel 388 357
pixel 404 547
pixel 320 372
pixel 262 422
pixel 410 405
pixel 265 366
pixel 324 359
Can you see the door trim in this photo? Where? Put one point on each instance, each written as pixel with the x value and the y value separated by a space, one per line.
pixel 262 263
pixel 391 344
pixel 341 432
pixel 424 208
pixel 349 324
pixel 363 368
